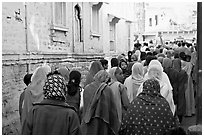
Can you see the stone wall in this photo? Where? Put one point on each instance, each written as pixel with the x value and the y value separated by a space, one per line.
pixel 14 67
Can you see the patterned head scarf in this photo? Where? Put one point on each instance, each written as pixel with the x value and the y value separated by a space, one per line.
pixel 149 112
pixel 102 76
pixel 152 87
pixel 55 87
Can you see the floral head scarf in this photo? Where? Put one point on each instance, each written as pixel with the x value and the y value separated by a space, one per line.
pixel 55 87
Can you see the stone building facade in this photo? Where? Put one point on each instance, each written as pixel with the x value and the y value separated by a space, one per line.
pixel 169 20
pixel 68 34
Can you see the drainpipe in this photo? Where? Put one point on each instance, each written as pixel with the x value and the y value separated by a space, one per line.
pixel 199 63
pixel 26 37
pixel 73 44
pixel 82 25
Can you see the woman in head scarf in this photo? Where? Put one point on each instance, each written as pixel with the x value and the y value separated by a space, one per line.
pixel 189 93
pixel 34 92
pixel 64 72
pixel 95 67
pixel 124 66
pixel 149 113
pixel 52 115
pixel 147 61
pixel 27 81
pixel 134 81
pixel 160 59
pixel 167 63
pixel 164 75
pixel 135 58
pixel 172 75
pixel 73 90
pixel 177 64
pixel 121 56
pixel 155 70
pixel 119 91
pixel 178 81
pixel 138 54
pixel 100 112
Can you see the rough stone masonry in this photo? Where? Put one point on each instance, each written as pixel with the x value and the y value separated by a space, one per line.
pixel 13 72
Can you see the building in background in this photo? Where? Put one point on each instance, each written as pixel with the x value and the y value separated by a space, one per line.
pixel 119 27
pixel 60 33
pixel 140 21
pixel 171 20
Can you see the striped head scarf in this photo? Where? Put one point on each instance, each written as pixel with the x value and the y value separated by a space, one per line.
pixel 55 87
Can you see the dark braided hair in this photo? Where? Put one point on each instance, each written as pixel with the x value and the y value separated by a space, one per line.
pixel 74 81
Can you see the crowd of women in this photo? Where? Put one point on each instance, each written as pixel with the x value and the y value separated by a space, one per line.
pixel 149 92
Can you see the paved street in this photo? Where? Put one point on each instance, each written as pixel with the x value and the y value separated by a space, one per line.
pixel 188 121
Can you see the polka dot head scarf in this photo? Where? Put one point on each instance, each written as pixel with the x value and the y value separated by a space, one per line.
pixel 151 86
pixel 149 113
